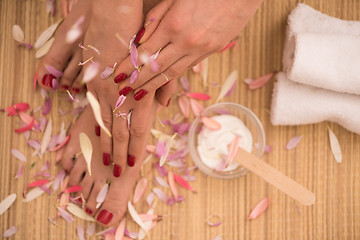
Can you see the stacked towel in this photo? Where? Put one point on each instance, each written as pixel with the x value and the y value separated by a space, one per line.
pixel 323 54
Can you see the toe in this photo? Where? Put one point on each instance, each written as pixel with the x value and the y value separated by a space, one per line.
pixel 86 185
pixel 91 201
pixel 78 172
pixel 77 86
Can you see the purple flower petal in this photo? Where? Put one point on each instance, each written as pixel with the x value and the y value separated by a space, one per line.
pixel 107 72
pixel 120 101
pixel 65 215
pixel 134 76
pixel 53 71
pixel 9 232
pixel 293 142
pixel 134 55
pixel 47 106
pixel 161 170
pixel 160 194
pixel 55 84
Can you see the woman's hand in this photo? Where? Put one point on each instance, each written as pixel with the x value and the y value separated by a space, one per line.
pixel 185 32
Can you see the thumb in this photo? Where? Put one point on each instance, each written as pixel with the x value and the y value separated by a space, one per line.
pixel 153 18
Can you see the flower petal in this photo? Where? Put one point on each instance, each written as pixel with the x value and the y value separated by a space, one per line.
pixel 160 194
pixel 78 212
pixel 43 50
pixel 91 229
pixel 259 208
pixel 184 105
pixel 9 232
pixel 134 55
pixel 293 142
pixel 161 182
pixel 53 71
pixel 100 198
pixel 80 232
pixel 139 189
pixel 73 189
pixel 172 184
pixel 120 101
pixel 97 112
pixel 65 215
pixel 47 106
pixel 211 123
pixel 335 146
pixel 233 149
pixel 26 128
pixel 134 75
pixel 17 154
pixel 46 35
pixel 167 150
pixel 183 183
pixel 91 71
pixel 108 71
pixel 86 149
pixel 199 96
pixel 228 84
pixel 18 33
pixel 35 193
pixel 185 84
pixel 196 107
pixel 7 202
pixel 135 215
pixel 120 230
pixel 47 137
pixel 260 81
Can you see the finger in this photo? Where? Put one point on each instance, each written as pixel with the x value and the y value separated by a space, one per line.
pixel 125 68
pixel 166 92
pixel 159 80
pixel 106 140
pixel 167 57
pixel 152 20
pixel 120 133
pixel 139 128
pixel 71 72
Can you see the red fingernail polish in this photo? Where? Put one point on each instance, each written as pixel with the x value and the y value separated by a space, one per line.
pixel 97 130
pixel 47 80
pixel 88 211
pixel 139 35
pixel 64 87
pixel 168 102
pixel 120 77
pixel 106 159
pixel 131 160
pixel 104 216
pixel 140 94
pixel 75 90
pixel 165 83
pixel 125 91
pixel 117 170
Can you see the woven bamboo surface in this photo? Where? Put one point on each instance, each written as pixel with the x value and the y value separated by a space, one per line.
pixel 336 212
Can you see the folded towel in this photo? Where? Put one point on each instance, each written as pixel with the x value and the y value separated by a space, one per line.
pixel 296 104
pixel 329 61
pixel 336 36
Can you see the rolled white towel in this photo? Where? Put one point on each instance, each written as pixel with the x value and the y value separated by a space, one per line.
pixel 330 61
pixel 296 104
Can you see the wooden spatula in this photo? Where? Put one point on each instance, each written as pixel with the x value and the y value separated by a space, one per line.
pixel 274 177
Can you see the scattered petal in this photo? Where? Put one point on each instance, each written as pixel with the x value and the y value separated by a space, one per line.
pixel 183 183
pixel 135 215
pixel 17 154
pixel 91 229
pixel 233 149
pixel 248 81
pixel 80 232
pixel 119 102
pixel 71 97
pixel 196 107
pixel 199 96
pixel 47 137
pixel 73 189
pixel 167 150
pixel 134 75
pixel 268 149
pixel 335 146
pixel 205 70
pixel 184 105
pixel 75 32
pixel 26 128
pixel 259 208
pixel 65 215
pixel 35 193
pixel 293 142
pixel 86 149
pixel 91 71
pixel 120 230
pixel 173 187
pixel 46 35
pixel 7 202
pixel 139 189
pixel 58 179
pixel 43 50
pixel 218 237
pixel 160 194
pixel 260 81
pixel 18 33
pixel 162 182
pixel 134 55
pixel 78 212
pixel 47 106
pixel 211 123
pixel 185 84
pixel 108 71
pixel 36 183
pixel 97 112
pixel 61 144
pixel 228 84
pixel 9 232
pixel 20 171
pixel 53 71
pixel 100 198
pixel 150 198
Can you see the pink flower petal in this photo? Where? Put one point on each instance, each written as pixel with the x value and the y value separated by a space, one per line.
pixel 211 123
pixel 183 183
pixel 161 170
pixel 120 230
pixel 61 144
pixel 102 195
pixel 185 84
pixel 173 187
pixel 268 149
pixel 161 182
pixel 134 75
pixel 160 149
pixel 59 178
pixel 55 84
pixel 7 202
pixel 47 106
pixel 134 56
pixel 108 71
pixel 53 71
pixel 91 229
pixel 139 189
pixel 229 45
pixel 259 208
pixel 9 232
pixel 184 105
pixel 20 171
pixel 80 232
pixel 231 90
pixel 65 215
pixel 26 128
pixel 17 154
pixel 34 144
pixel 214 220
pixel 196 107
pixel 260 81
pixel 120 101
pixel 150 198
pixel 36 183
pixel 73 189
pixel 91 71
pixel 293 142
pixel 233 149
pixel 160 194
pixel 199 96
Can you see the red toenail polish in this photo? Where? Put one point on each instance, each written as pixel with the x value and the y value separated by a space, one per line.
pixel 47 80
pixel 168 102
pixel 64 87
pixel 106 159
pixel 140 94
pixel 131 160
pixel 117 170
pixel 120 77
pixel 80 200
pixel 88 211
pixel 139 35
pixel 125 91
pixel 97 130
pixel 75 90
pixel 104 216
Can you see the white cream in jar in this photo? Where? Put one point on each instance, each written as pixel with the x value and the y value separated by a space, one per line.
pixel 213 144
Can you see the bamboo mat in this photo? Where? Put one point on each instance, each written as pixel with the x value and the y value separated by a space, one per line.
pixel 336 212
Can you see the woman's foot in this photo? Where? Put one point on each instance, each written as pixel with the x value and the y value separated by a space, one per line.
pixel 65 55
pixel 115 204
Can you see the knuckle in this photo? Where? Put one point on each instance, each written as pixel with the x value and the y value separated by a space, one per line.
pixel 120 134
pixel 173 72
pixel 176 24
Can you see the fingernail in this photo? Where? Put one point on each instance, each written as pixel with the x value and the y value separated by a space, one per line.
pixel 104 216
pixel 75 90
pixel 117 170
pixel 165 83
pixel 125 91
pixel 88 211
pixel 97 130
pixel 131 160
pixel 140 94
pixel 47 80
pixel 120 77
pixel 168 102
pixel 106 159
pixel 139 35
pixel 64 87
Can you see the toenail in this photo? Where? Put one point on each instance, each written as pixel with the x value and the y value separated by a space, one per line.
pixel 106 159
pixel 140 94
pixel 139 35
pixel 120 77
pixel 80 200
pixel 48 79
pixel 97 130
pixel 125 91
pixel 75 90
pixel 64 87
pixel 117 170
pixel 104 216
pixel 168 102
pixel 131 160
pixel 88 211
